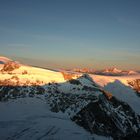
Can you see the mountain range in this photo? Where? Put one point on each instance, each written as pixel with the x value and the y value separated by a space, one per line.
pixel 109 71
pixel 40 104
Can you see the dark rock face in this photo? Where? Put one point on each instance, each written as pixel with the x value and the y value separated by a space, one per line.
pixel 72 102
pixel 12 92
pixel 109 118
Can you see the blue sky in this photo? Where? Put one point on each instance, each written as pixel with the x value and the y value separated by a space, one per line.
pixel 71 33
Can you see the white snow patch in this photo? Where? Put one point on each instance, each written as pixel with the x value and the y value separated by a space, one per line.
pixel 30 119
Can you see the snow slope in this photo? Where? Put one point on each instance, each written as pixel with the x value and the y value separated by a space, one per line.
pixel 119 87
pixel 33 74
pixel 30 118
pixel 104 80
pixel 124 93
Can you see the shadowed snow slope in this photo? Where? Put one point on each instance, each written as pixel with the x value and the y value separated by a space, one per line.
pixel 31 119
pixel 124 93
pixel 119 87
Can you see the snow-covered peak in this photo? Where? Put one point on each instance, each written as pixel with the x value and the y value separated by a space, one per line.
pixel 131 72
pixel 113 70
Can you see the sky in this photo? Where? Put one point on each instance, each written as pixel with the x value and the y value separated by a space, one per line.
pixel 71 33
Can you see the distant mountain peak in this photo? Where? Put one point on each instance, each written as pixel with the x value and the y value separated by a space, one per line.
pixel 114 70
